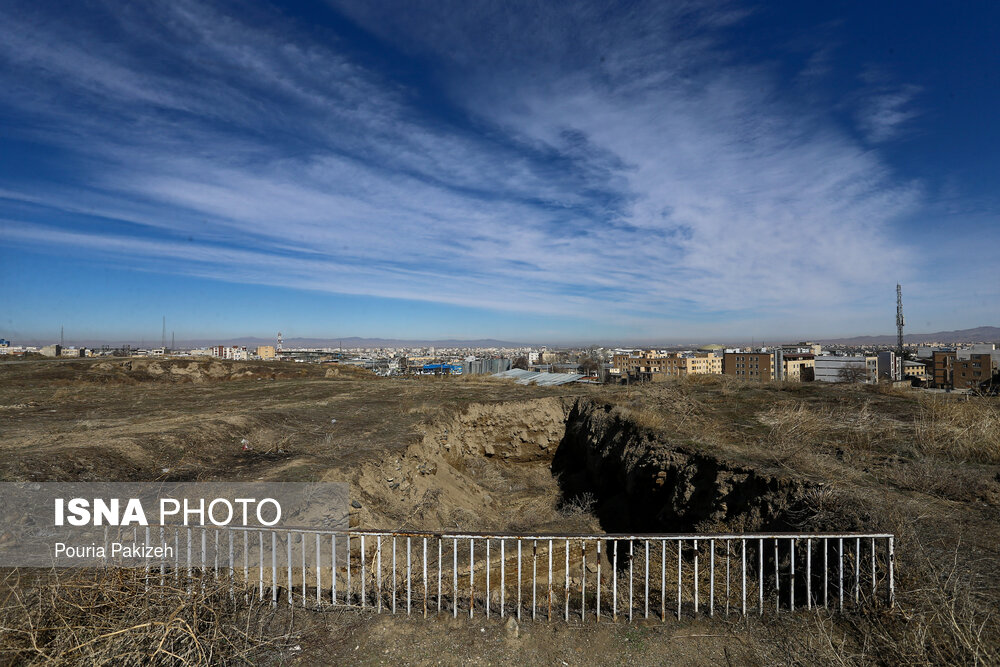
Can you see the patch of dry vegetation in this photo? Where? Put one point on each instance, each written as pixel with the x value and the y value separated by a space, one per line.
pixel 124 616
pixel 960 429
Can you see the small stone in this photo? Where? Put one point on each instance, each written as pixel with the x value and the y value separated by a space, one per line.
pixel 511 627
pixel 355 504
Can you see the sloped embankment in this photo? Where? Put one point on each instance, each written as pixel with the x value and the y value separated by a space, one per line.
pixel 642 481
pixel 520 465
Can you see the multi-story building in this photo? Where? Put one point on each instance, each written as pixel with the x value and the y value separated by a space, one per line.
pixel 915 370
pixel 799 367
pixel 633 362
pixel 846 369
pixel 265 351
pixel 652 365
pixel 236 353
pixel 749 365
pixel 971 372
pixel 941 368
pixel 890 366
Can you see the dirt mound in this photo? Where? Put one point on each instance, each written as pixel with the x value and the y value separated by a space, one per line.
pixel 486 468
pixel 177 370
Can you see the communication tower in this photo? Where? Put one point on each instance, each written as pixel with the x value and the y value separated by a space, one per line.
pixel 900 321
pixel 278 349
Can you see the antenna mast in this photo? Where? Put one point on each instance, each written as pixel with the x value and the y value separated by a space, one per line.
pixel 900 321
pixel 163 336
pixel 279 343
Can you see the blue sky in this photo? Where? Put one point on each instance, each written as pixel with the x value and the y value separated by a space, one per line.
pixel 527 171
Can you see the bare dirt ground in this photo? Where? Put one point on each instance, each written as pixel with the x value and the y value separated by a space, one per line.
pixel 479 454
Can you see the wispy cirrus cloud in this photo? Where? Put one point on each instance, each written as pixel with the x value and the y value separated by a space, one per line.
pixel 576 163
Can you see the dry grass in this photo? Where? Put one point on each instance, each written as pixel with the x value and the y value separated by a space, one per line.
pixel 120 616
pixel 959 429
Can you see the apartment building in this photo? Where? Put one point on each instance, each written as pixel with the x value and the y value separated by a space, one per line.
pixel 890 366
pixel 941 368
pixel 654 366
pixel 265 351
pixel 971 372
pixel 749 365
pixel 799 367
pixel 915 370
pixel 846 369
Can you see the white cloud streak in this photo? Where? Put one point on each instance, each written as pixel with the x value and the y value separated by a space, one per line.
pixel 608 164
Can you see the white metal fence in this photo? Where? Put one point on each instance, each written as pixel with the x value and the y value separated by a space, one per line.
pixel 578 577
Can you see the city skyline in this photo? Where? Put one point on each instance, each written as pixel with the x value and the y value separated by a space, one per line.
pixel 714 171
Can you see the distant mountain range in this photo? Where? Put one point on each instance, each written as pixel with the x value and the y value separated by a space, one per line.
pixel 977 335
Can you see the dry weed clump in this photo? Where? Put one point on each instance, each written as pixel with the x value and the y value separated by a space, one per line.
pixel 961 430
pixel 793 428
pixel 126 616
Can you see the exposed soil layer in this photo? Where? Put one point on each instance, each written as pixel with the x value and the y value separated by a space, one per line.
pixel 641 482
pixel 543 463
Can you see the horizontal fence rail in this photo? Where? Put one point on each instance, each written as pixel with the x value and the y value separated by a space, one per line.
pixel 568 577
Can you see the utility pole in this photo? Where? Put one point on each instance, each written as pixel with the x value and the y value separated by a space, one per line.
pixel 900 321
pixel 172 346
pixel 62 336
pixel 163 336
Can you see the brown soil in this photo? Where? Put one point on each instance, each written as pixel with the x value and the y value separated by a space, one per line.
pixel 474 453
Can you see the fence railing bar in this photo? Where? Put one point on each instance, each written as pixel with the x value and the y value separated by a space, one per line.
pixel 680 545
pixel 288 560
pixel 614 583
pixel 549 615
pixel 503 579
pixel 777 579
pixel 760 577
pixel 487 577
pixel 826 573
pixel 857 571
pixel 519 580
pixel 454 592
pixel 809 597
pixel 743 585
pixel 631 562
pixel 874 581
pixel 727 577
pixel 583 581
pixel 891 557
pixel 711 578
pixel 663 581
pixel 566 592
pixel 534 574
pixel 791 574
pixel 840 573
pixel 600 583
pixel 646 594
pixel 472 575
pixel 425 577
